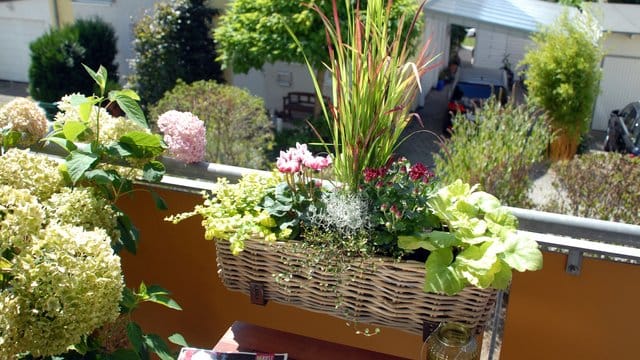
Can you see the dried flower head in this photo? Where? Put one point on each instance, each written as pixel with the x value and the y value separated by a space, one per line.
pixel 65 285
pixel 26 117
pixel 184 133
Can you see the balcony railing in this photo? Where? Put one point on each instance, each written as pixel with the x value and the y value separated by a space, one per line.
pixel 582 304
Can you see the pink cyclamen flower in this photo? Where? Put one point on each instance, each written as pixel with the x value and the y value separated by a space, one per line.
pixel 286 164
pixel 317 163
pixel 184 133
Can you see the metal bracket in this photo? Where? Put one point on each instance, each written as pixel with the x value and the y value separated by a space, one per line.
pixel 256 292
pixel 574 262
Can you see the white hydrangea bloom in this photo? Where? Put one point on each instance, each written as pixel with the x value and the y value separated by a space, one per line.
pixel 67 284
pixel 20 216
pixel 23 169
pixel 83 207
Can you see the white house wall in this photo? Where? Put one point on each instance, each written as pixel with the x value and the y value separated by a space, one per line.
pixel 493 44
pixel 437 32
pixel 122 15
pixel 21 22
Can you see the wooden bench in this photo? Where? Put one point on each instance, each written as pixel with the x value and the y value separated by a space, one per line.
pixel 299 105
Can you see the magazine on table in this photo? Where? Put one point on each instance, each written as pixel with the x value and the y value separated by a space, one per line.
pixel 201 354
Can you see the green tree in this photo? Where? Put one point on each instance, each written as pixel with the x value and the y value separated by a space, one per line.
pixel 563 77
pixel 173 42
pixel 252 33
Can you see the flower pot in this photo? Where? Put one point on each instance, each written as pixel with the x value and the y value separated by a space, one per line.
pixel 377 291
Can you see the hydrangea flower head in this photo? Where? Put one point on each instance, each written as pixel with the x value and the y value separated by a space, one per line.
pixel 23 169
pixel 184 133
pixel 26 117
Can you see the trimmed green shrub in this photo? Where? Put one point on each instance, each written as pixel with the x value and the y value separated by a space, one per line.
pixel 238 128
pixel 173 42
pixel 600 186
pixel 57 58
pixel 497 150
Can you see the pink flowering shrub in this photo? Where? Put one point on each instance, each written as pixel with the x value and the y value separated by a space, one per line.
pixel 184 133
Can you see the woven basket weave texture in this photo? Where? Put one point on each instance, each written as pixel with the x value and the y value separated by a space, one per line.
pixel 380 291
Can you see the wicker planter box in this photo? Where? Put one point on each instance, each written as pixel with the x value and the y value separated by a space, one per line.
pixel 380 292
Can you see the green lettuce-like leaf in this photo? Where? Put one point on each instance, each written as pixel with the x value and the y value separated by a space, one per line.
pixel 522 253
pixel 440 276
pixel 502 278
pixel 484 201
pixel 429 241
pixel 477 264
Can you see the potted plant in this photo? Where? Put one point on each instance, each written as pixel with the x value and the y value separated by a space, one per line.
pixel 379 240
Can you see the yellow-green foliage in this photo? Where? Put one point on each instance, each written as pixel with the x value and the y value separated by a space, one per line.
pixel 564 71
pixel 231 212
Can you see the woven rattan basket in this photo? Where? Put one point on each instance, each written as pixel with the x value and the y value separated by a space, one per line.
pixel 379 292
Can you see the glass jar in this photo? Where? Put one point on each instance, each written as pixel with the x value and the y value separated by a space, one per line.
pixel 452 341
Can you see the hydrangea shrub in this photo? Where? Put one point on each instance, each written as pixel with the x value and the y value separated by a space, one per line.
pixel 184 134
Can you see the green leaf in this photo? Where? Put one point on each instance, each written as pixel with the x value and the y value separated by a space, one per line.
pixel 136 337
pixel 178 339
pixel 522 253
pixel 73 129
pixel 159 201
pixel 113 95
pixel 502 277
pixel 84 110
pixel 77 99
pixel 132 110
pixel 158 346
pixel 476 264
pixel 99 77
pixel 99 176
pixel 78 162
pixel 485 201
pixel 142 290
pixel 142 144
pixel 11 138
pixel 69 146
pixel 164 300
pixel 153 172
pixel 117 150
pixel 501 217
pixel 440 276
pixel 129 301
pixel 128 233
pixel 430 241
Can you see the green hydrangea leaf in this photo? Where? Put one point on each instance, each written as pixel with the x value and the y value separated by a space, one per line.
pixel 153 171
pixel 158 346
pixel 73 129
pixel 142 144
pixel 123 354
pixel 132 110
pixel 522 253
pixel 440 276
pixel 78 162
pixel 178 339
pixel 113 95
pixel 134 333
pixel 63 143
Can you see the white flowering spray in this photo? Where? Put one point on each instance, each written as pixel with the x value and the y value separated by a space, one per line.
pixel 64 286
pixel 24 118
pixel 20 216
